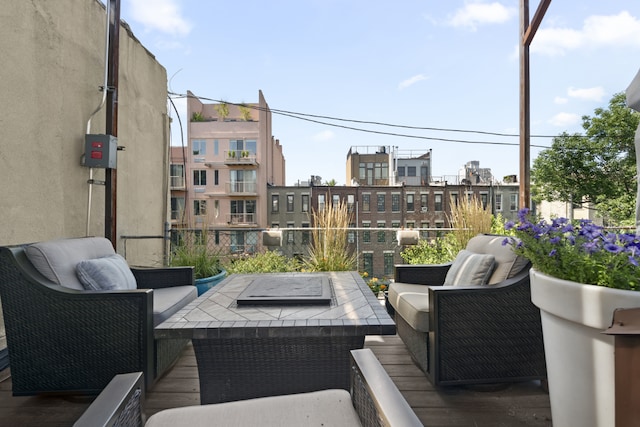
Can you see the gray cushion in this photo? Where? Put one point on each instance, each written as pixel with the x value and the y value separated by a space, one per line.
pixel 167 301
pixel 319 408
pixel 412 303
pixel 470 269
pixel 57 259
pixel 508 264
pixel 106 274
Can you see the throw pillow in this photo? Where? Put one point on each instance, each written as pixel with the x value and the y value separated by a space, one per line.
pixel 470 269
pixel 106 274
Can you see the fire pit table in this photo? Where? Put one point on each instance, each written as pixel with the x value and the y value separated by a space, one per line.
pixel 258 335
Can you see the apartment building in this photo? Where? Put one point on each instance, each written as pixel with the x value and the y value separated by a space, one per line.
pixel 377 211
pixel 219 181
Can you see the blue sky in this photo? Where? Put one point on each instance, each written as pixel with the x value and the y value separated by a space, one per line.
pixel 430 64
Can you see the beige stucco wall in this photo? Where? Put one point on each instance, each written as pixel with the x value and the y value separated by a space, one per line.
pixel 52 67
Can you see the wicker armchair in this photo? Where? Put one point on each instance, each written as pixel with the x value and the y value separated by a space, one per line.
pixel 375 401
pixel 75 341
pixel 470 334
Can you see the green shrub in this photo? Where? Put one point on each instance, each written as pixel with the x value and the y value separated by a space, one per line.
pixel 263 262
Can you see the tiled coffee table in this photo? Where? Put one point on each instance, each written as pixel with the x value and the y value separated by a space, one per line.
pixel 282 343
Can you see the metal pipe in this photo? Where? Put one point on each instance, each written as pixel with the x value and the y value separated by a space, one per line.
pixel 102 102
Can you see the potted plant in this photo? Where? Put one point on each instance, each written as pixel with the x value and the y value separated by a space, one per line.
pixel 581 274
pixel 207 268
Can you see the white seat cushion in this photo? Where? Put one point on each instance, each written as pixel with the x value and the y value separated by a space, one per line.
pixel 412 303
pixel 321 408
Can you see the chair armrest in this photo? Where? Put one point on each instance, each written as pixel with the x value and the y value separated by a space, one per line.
pixel 156 278
pixel 374 395
pixel 421 274
pixel 120 403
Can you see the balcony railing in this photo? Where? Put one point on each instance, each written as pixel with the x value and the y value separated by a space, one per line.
pixel 241 219
pixel 177 182
pixel 377 249
pixel 240 157
pixel 242 188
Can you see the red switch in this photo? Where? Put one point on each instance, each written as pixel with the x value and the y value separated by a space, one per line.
pixel 96 154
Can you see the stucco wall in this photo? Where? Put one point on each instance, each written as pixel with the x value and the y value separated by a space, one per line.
pixel 52 67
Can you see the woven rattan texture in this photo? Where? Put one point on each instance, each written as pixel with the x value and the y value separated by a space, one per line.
pixel 495 336
pixel 131 415
pixel 236 369
pixel 362 401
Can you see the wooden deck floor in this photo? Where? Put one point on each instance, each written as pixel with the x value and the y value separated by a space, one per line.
pixel 524 404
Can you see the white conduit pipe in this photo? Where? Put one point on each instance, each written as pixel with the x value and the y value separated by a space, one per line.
pixel 102 102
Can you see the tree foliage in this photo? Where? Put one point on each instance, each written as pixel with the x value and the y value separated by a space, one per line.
pixel 598 167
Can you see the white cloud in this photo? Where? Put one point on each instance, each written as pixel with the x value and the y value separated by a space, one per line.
pixel 560 100
pixel 565 119
pixel 597 31
pixel 474 14
pixel 589 94
pixel 162 15
pixel 325 135
pixel 412 80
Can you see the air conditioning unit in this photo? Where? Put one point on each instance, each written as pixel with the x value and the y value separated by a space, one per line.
pixel 423 209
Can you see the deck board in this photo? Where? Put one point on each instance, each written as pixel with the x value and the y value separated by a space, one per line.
pixel 522 404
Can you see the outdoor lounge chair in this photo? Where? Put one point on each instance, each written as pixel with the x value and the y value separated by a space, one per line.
pixel 374 400
pixel 63 338
pixel 470 332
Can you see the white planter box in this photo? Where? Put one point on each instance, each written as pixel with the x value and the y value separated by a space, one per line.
pixel 580 358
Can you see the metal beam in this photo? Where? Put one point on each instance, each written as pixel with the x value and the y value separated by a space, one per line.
pixel 527 32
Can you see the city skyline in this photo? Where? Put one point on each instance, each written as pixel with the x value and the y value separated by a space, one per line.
pixel 337 75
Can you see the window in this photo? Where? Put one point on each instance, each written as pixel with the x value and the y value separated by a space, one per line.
pixel 381 170
pixel 290 234
pixel 275 203
pixel 199 177
pixel 321 202
pixel 177 175
pixel 438 202
pixel 199 147
pixel 216 177
pixel 350 202
pixel 400 171
pixel 395 203
pixel 484 199
pixel 177 207
pixel 363 171
pixel 513 202
pixel 243 211
pixel 424 204
pixel 394 236
pixel 242 181
pixel 305 203
pixel 366 235
pixel 498 202
pixel 216 147
pixel 388 263
pixel 381 234
pixel 216 208
pixel 351 236
pixel 424 233
pixel 335 200
pixel 367 263
pixel 305 233
pixel 411 171
pixel 381 202
pixel 289 202
pixel 366 202
pixel 199 207
pixel 411 225
pixel 454 199
pixel 237 146
pixel 410 204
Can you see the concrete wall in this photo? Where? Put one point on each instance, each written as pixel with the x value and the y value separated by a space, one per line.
pixel 52 67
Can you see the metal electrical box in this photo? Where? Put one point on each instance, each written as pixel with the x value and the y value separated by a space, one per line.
pixel 100 151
